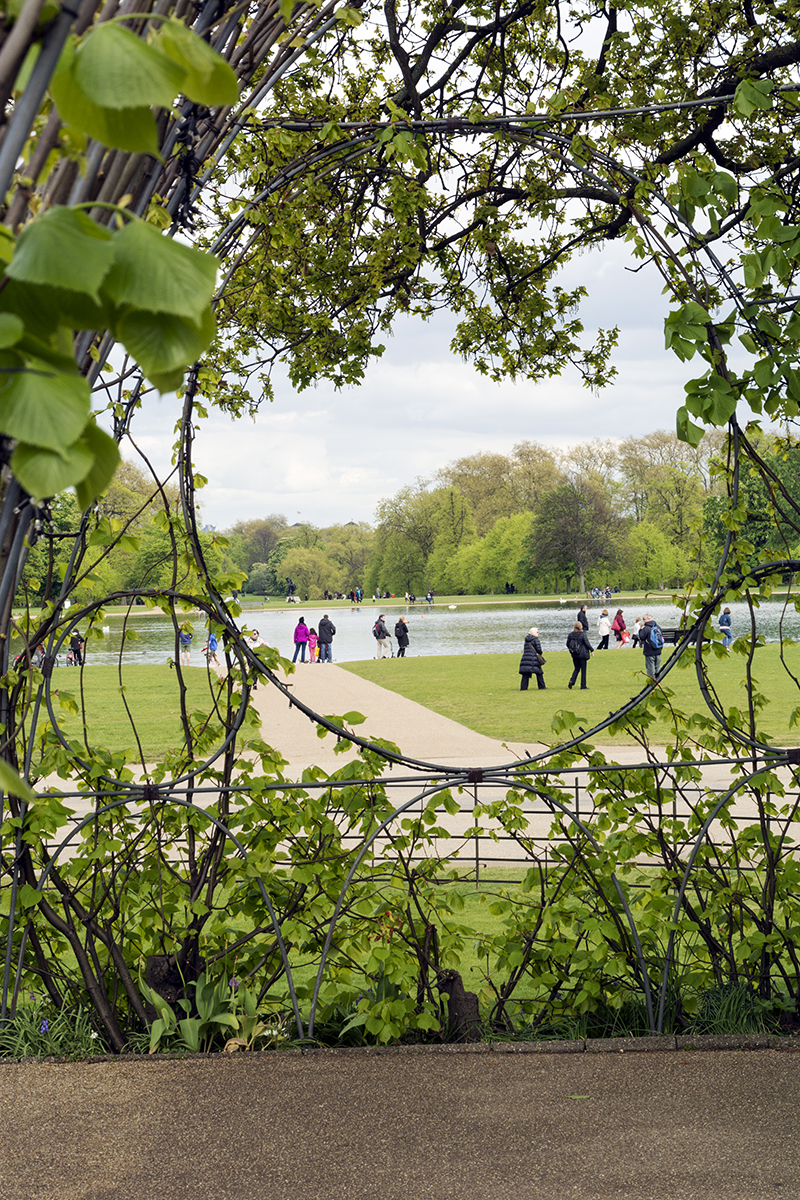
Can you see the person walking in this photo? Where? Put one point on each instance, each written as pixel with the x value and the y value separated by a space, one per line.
pixel 531 661
pixel 76 646
pixel 618 625
pixel 580 648
pixel 401 633
pixel 211 650
pixel 651 639
pixel 327 630
pixel 725 628
pixel 583 617
pixel 637 629
pixel 603 629
pixel 381 635
pixel 185 639
pixel 300 640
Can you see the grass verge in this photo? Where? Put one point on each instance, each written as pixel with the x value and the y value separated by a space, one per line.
pixel 152 695
pixel 482 692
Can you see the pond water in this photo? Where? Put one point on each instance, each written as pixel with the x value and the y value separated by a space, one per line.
pixel 466 629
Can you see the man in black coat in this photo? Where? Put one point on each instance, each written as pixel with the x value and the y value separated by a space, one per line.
pixel 583 616
pixel 529 663
pixel 580 648
pixel 326 631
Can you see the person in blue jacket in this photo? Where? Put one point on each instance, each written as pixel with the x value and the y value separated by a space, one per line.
pixel 725 628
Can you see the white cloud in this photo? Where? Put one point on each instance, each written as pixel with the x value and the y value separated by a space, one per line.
pixel 332 455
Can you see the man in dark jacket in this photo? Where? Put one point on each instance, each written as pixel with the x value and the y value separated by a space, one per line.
pixel 326 631
pixel 583 616
pixel 401 633
pixel 580 648
pixel 529 663
pixel 381 635
pixel 652 654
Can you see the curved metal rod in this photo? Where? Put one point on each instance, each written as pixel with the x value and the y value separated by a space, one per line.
pixel 433 791
pixel 687 872
pixel 75 618
pixel 226 832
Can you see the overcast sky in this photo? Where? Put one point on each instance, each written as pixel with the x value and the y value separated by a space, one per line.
pixel 324 456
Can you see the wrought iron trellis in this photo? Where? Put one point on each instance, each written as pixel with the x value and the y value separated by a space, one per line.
pixel 205 141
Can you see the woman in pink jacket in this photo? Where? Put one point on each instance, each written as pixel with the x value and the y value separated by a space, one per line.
pixel 300 640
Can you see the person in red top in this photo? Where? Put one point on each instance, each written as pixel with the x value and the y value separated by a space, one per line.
pixel 618 625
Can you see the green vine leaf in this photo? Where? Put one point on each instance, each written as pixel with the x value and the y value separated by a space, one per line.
pixel 44 407
pixel 11 782
pixel 115 69
pixel 106 459
pixel 157 274
pixel 45 472
pixel 65 249
pixel 209 79
pixel 163 343
pixel 132 129
pixel 11 330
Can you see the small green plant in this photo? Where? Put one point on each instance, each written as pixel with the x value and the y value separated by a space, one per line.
pixel 37 1030
pixel 220 1006
pixel 729 1009
pixel 253 1026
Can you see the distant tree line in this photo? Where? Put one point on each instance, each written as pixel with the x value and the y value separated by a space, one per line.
pixel 641 513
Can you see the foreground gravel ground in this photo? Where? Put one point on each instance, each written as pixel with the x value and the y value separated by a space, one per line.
pixel 680 1125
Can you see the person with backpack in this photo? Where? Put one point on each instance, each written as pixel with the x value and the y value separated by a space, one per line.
pixel 580 648
pixel 76 646
pixel 381 634
pixel 651 639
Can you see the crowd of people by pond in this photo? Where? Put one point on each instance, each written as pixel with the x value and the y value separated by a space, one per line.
pixel 646 635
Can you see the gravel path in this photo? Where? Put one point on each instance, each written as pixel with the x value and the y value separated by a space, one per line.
pixel 404 1126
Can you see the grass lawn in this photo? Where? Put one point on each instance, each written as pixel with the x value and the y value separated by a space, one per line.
pixel 482 692
pixel 152 696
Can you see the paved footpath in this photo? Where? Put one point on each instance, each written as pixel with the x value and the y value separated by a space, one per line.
pixel 716 1125
pixel 330 690
pixel 417 730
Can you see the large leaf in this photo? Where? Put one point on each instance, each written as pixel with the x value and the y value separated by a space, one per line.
pixel 64 248
pixel 44 473
pixel 209 79
pixel 162 343
pixel 156 273
pixel 45 407
pixel 11 782
pixel 131 129
pixel 45 310
pixel 11 329
pixel 106 461
pixel 116 69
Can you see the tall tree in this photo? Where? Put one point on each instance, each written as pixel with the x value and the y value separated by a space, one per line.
pixel 484 480
pixel 574 530
pixel 535 470
pixel 259 537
